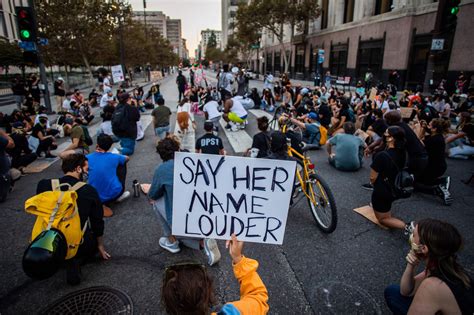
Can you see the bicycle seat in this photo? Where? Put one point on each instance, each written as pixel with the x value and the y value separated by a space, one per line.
pixel 309 147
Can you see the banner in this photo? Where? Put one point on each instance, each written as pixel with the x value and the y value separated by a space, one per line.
pixel 117 74
pixel 215 196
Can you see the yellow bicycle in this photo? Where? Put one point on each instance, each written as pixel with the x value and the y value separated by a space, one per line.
pixel 320 198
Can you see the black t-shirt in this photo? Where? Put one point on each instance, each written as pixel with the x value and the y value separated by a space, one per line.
pixel 415 148
pixel 344 112
pixel 387 164
pixel 261 141
pixel 302 110
pixel 58 90
pixel 21 146
pixel 325 112
pixel 36 129
pixel 209 144
pixel 379 126
pixel 468 129
pixel 435 147
pixel 4 161
pixel 88 203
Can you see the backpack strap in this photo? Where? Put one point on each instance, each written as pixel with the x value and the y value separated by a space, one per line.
pixel 55 210
pixel 55 184
pixel 77 186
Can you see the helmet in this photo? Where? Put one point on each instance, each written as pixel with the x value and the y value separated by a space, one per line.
pixel 45 254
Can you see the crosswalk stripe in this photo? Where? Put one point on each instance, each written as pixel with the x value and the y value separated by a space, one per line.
pixel 239 140
pixel 259 113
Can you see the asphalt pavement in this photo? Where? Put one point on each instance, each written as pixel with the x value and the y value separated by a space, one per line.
pixel 311 273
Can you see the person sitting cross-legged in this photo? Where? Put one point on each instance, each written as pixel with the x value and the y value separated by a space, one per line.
pixel 346 150
pixel 107 173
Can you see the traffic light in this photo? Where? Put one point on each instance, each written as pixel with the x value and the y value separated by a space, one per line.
pixel 26 24
pixel 449 15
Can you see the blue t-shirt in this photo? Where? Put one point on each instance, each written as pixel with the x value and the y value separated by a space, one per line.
pixel 103 174
pixel 312 133
pixel 348 151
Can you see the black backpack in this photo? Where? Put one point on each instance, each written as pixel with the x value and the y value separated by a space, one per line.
pixel 87 137
pixel 120 120
pixel 403 185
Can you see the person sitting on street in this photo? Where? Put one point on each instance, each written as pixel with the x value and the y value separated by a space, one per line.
pixel 78 140
pixel 46 142
pixel 107 173
pixel 107 99
pixel 444 287
pixel 161 119
pixel 261 140
pixel 75 168
pixel 128 135
pixel 211 111
pixel 234 113
pixel 21 154
pixel 210 143
pixel 6 180
pixel 188 288
pixel 310 128
pixel 349 149
pixel 161 193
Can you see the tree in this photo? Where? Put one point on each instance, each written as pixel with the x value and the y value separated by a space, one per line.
pixel 275 15
pixel 10 54
pixel 212 42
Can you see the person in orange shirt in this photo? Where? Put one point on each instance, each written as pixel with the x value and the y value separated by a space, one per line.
pixel 188 289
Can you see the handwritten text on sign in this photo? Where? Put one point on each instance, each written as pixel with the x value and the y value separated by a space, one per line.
pixel 215 196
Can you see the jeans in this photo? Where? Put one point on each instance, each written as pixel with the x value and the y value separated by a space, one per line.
pixel 128 145
pixel 263 105
pixel 161 132
pixel 19 99
pixel 462 151
pixel 396 302
pixel 122 176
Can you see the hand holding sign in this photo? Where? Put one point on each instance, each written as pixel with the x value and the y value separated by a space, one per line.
pixel 217 196
pixel 235 249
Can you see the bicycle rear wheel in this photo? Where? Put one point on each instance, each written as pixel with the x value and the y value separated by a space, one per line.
pixel 322 203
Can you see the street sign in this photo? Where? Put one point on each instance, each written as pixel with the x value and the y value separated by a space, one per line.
pixel 437 44
pixel 27 46
pixel 43 41
pixel 255 46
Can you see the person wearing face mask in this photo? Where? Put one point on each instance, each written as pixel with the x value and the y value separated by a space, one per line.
pixel 78 140
pixel 444 287
pixel 75 168
pixel 385 167
pixel 46 142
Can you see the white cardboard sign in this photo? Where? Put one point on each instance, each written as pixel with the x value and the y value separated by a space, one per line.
pixel 117 73
pixel 215 196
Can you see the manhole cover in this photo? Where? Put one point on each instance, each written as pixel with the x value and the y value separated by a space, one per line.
pixel 94 300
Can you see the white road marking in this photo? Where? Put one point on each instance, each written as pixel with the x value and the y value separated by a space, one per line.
pixel 259 113
pixel 239 140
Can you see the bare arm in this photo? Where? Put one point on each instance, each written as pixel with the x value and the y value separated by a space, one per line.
pixel 373 176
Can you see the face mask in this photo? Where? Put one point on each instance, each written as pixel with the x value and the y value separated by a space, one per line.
pixel 68 121
pixel 458 119
pixel 84 176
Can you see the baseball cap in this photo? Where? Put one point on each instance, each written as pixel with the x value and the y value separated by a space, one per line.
pixel 312 116
pixel 208 125
pixel 304 91
pixel 107 90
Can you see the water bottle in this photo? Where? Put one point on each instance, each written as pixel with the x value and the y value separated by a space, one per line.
pixel 136 189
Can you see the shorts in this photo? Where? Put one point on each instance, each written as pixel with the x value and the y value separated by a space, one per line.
pixel 234 118
pixel 382 202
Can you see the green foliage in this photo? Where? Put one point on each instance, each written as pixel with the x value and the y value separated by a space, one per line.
pixel 10 54
pixel 212 42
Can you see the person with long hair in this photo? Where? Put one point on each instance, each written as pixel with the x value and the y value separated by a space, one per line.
pixel 383 171
pixel 431 180
pixel 185 125
pixel 261 140
pixel 444 287
pixel 188 289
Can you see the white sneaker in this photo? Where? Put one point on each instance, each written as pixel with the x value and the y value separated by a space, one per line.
pixel 124 196
pixel 171 247
pixel 235 128
pixel 212 251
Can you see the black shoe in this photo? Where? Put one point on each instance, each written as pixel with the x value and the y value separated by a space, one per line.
pixel 73 272
pixel 228 127
pixel 368 186
pixel 50 156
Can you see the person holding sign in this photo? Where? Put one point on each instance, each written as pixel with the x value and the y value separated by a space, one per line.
pixel 161 192
pixel 187 288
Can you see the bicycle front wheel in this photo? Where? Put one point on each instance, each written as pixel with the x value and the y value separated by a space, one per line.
pixel 322 203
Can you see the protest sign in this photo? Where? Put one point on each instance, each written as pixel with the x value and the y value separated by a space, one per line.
pixel 215 196
pixel 406 112
pixel 117 73
pixel 156 76
pixel 373 93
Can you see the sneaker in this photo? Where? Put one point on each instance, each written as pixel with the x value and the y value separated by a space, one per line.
pixel 271 109
pixel 124 196
pixel 409 228
pixel 212 251
pixel 445 194
pixel 171 247
pixel 235 128
pixel 368 186
pixel 228 127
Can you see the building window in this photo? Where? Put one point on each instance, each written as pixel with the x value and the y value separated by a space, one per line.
pixel 3 26
pixel 324 13
pixel 277 62
pixel 299 59
pixel 370 56
pixel 269 62
pixel 383 6
pixel 338 60
pixel 420 51
pixel 348 11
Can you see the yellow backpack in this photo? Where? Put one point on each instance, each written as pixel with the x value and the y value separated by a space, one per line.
pixel 324 135
pixel 58 209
